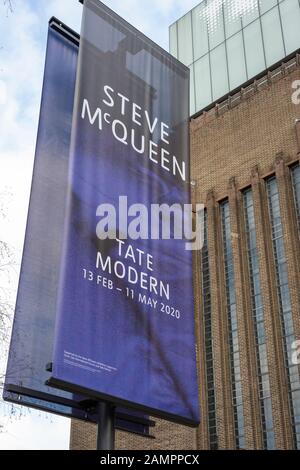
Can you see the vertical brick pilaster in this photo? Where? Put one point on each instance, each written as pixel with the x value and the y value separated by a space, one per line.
pixel 252 419
pixel 278 384
pixel 224 411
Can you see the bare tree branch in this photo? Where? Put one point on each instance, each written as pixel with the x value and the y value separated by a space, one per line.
pixel 9 5
pixel 7 291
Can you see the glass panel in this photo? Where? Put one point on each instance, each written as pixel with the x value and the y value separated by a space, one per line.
pixel 290 18
pixel 207 311
pixel 232 327
pixel 236 60
pixel 219 72
pixel 232 15
pixel 265 5
pixel 272 36
pixel 203 84
pixel 185 45
pixel 254 49
pixel 296 189
pixel 173 40
pixel 249 11
pixel 192 91
pixel 200 32
pixel 215 22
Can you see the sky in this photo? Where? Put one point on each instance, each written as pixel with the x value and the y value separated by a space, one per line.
pixel 23 35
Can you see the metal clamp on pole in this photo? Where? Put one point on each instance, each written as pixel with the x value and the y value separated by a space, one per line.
pixel 106 426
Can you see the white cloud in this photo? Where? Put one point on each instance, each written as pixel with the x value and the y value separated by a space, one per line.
pixel 35 432
pixel 68 11
pixel 21 58
pixel 3 92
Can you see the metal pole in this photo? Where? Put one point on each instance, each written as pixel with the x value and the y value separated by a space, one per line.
pixel 106 426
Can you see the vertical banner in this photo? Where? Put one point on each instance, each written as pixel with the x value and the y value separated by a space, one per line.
pixel 34 320
pixel 125 319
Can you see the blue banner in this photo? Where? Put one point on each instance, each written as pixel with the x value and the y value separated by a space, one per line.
pixel 125 319
pixel 34 320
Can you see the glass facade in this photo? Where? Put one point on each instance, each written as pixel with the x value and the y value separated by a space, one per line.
pixel 227 42
pixel 285 307
pixel 295 171
pixel 206 295
pixel 234 349
pixel 259 326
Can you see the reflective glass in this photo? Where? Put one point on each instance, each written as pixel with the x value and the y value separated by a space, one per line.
pixel 192 90
pixel 200 31
pixel 185 45
pixel 236 60
pixel 250 11
pixel 173 40
pixel 270 30
pixel 296 188
pixel 290 18
pixel 265 5
pixel 215 22
pixel 219 72
pixel 272 36
pixel 232 16
pixel 202 83
pixel 255 58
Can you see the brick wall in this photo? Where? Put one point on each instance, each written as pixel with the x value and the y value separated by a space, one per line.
pixel 167 436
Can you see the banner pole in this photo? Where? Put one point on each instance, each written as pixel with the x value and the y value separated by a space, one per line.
pixel 106 426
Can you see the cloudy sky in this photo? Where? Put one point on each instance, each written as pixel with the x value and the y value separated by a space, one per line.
pixel 23 34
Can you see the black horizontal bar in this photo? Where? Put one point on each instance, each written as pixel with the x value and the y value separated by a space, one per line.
pixel 44 408
pixel 83 405
pixel 64 30
pixel 27 392
pixel 74 388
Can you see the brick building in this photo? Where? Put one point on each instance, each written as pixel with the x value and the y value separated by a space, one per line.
pixel 245 164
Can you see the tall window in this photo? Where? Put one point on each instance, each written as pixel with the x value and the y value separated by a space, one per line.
pixel 206 295
pixel 258 318
pixel 295 171
pixel 234 349
pixel 285 307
